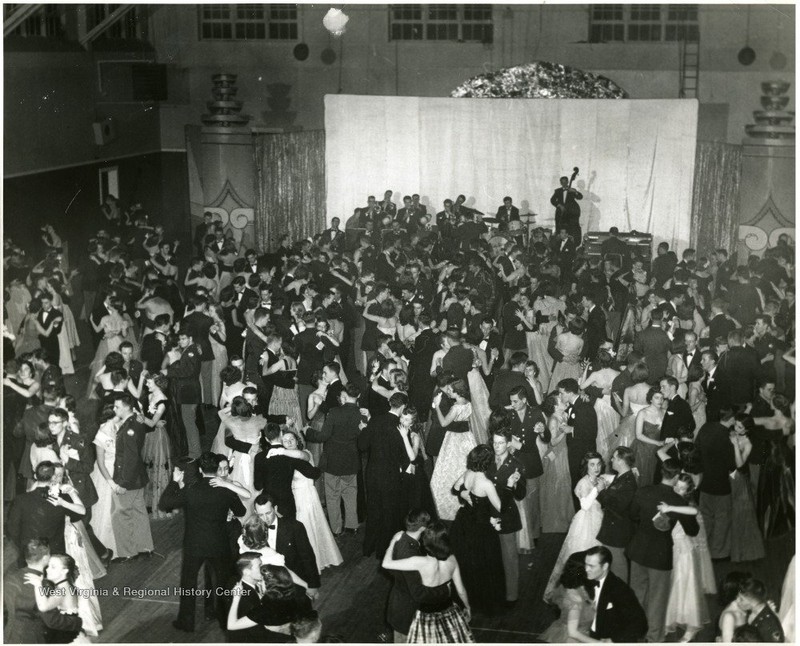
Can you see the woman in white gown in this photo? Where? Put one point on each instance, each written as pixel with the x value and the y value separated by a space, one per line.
pixel 105 441
pixel 479 395
pixel 603 378
pixel 309 507
pixel 546 305
pixel 634 399
pixel 114 329
pixel 76 547
pixel 687 606
pixel 457 443
pixel 244 430
pixel 586 523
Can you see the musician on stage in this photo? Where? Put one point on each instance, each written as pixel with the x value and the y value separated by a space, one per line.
pixel 461 210
pixel 506 213
pixel 568 211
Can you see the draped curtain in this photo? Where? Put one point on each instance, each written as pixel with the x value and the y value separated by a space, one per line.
pixel 636 157
pixel 715 203
pixel 290 186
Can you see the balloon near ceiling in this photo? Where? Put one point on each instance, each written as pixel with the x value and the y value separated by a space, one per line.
pixel 539 80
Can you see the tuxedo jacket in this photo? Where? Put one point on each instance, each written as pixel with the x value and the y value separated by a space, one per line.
pixel 715 392
pixel 310 358
pixel 617 528
pixel 152 351
pixel 570 204
pixel 595 331
pixel 387 457
pixel 205 516
pixel 458 360
pixel 184 376
pixel 655 345
pixel 292 542
pixel 649 546
pixel 678 414
pixel 407 590
pixel 46 318
pixel 199 325
pixel 505 215
pixel 717 457
pixel 620 617
pixel 510 521
pixel 129 469
pixel 31 516
pixel 528 455
pixel 25 625
pixel 274 475
pixel 332 396
pixel 738 369
pixel 583 419
pixel 339 434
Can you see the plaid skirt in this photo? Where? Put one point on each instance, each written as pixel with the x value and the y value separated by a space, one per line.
pixel 444 627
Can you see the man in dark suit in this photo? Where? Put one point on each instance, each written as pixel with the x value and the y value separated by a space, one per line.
pixel 407 589
pixel 568 211
pixel 129 481
pixel 51 319
pixel 387 460
pixel 198 325
pixel 154 344
pixel 650 549
pixel 340 459
pixel 330 374
pixel 678 414
pixel 654 344
pixel 289 538
pixel 35 514
pixel 248 567
pixel 242 293
pixel 420 381
pixel 528 428
pixel 508 475
pixel 613 246
pixel 507 380
pixel 718 460
pixel 581 428
pixel 691 353
pixel 715 393
pixel 333 236
pixel 78 456
pixel 205 537
pixel 309 345
pixel 720 323
pixel 616 529
pixel 184 376
pixel 25 430
pixel 618 615
pixel 273 475
pixel 458 359
pixel 506 213
pixel 24 624
pixel 563 249
pixel 595 324
pixel 737 371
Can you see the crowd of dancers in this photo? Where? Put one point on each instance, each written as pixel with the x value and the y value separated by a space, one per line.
pixel 457 398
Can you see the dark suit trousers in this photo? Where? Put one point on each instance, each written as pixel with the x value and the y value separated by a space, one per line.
pixel 384 515
pixel 221 569
pixel 717 512
pixel 651 588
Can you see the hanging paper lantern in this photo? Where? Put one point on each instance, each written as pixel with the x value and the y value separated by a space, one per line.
pixel 335 21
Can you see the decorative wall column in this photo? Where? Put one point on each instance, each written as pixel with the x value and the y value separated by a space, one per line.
pixel 767 194
pixel 221 165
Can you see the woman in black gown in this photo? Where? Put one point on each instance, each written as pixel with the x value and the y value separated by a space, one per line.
pixel 57 599
pixel 474 534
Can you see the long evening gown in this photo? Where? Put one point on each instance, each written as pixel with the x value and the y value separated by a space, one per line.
pixel 479 395
pixel 570 347
pixel 555 497
pixel 310 513
pixel 105 437
pixel 476 546
pixel 156 455
pixel 686 606
pixel 746 541
pixel 537 342
pixel 582 532
pixel 566 599
pixel 112 326
pixel 646 455
pixel 458 442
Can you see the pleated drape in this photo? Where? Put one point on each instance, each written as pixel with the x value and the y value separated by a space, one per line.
pixel 715 200
pixel 290 186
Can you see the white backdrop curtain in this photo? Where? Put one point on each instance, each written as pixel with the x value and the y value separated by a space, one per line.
pixel 636 157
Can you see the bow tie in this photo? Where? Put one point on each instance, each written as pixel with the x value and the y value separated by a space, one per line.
pixel 270 526
pixel 593 584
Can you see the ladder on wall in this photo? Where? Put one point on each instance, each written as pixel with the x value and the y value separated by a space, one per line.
pixel 689 68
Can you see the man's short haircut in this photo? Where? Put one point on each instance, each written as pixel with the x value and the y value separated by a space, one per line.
pixel 398 400
pixel 273 431
pixel 517 359
pixel 44 471
pixel 670 380
pixel 126 399
pixel 417 519
pixel 518 391
pixel 263 498
pixel 503 432
pixel 352 391
pixel 569 385
pixel 36 549
pixel 670 468
pixel 626 453
pixel 245 562
pixel 126 344
pixel 711 355
pixel 208 462
pixel 603 552
pixel 334 367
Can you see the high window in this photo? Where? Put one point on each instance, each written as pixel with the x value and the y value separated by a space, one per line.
pixel 642 23
pixel 248 21
pixel 45 22
pixel 460 23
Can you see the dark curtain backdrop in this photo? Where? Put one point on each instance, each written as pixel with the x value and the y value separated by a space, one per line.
pixel 290 186
pixel 715 202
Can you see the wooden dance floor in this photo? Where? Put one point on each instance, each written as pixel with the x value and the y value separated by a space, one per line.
pixel 353 595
